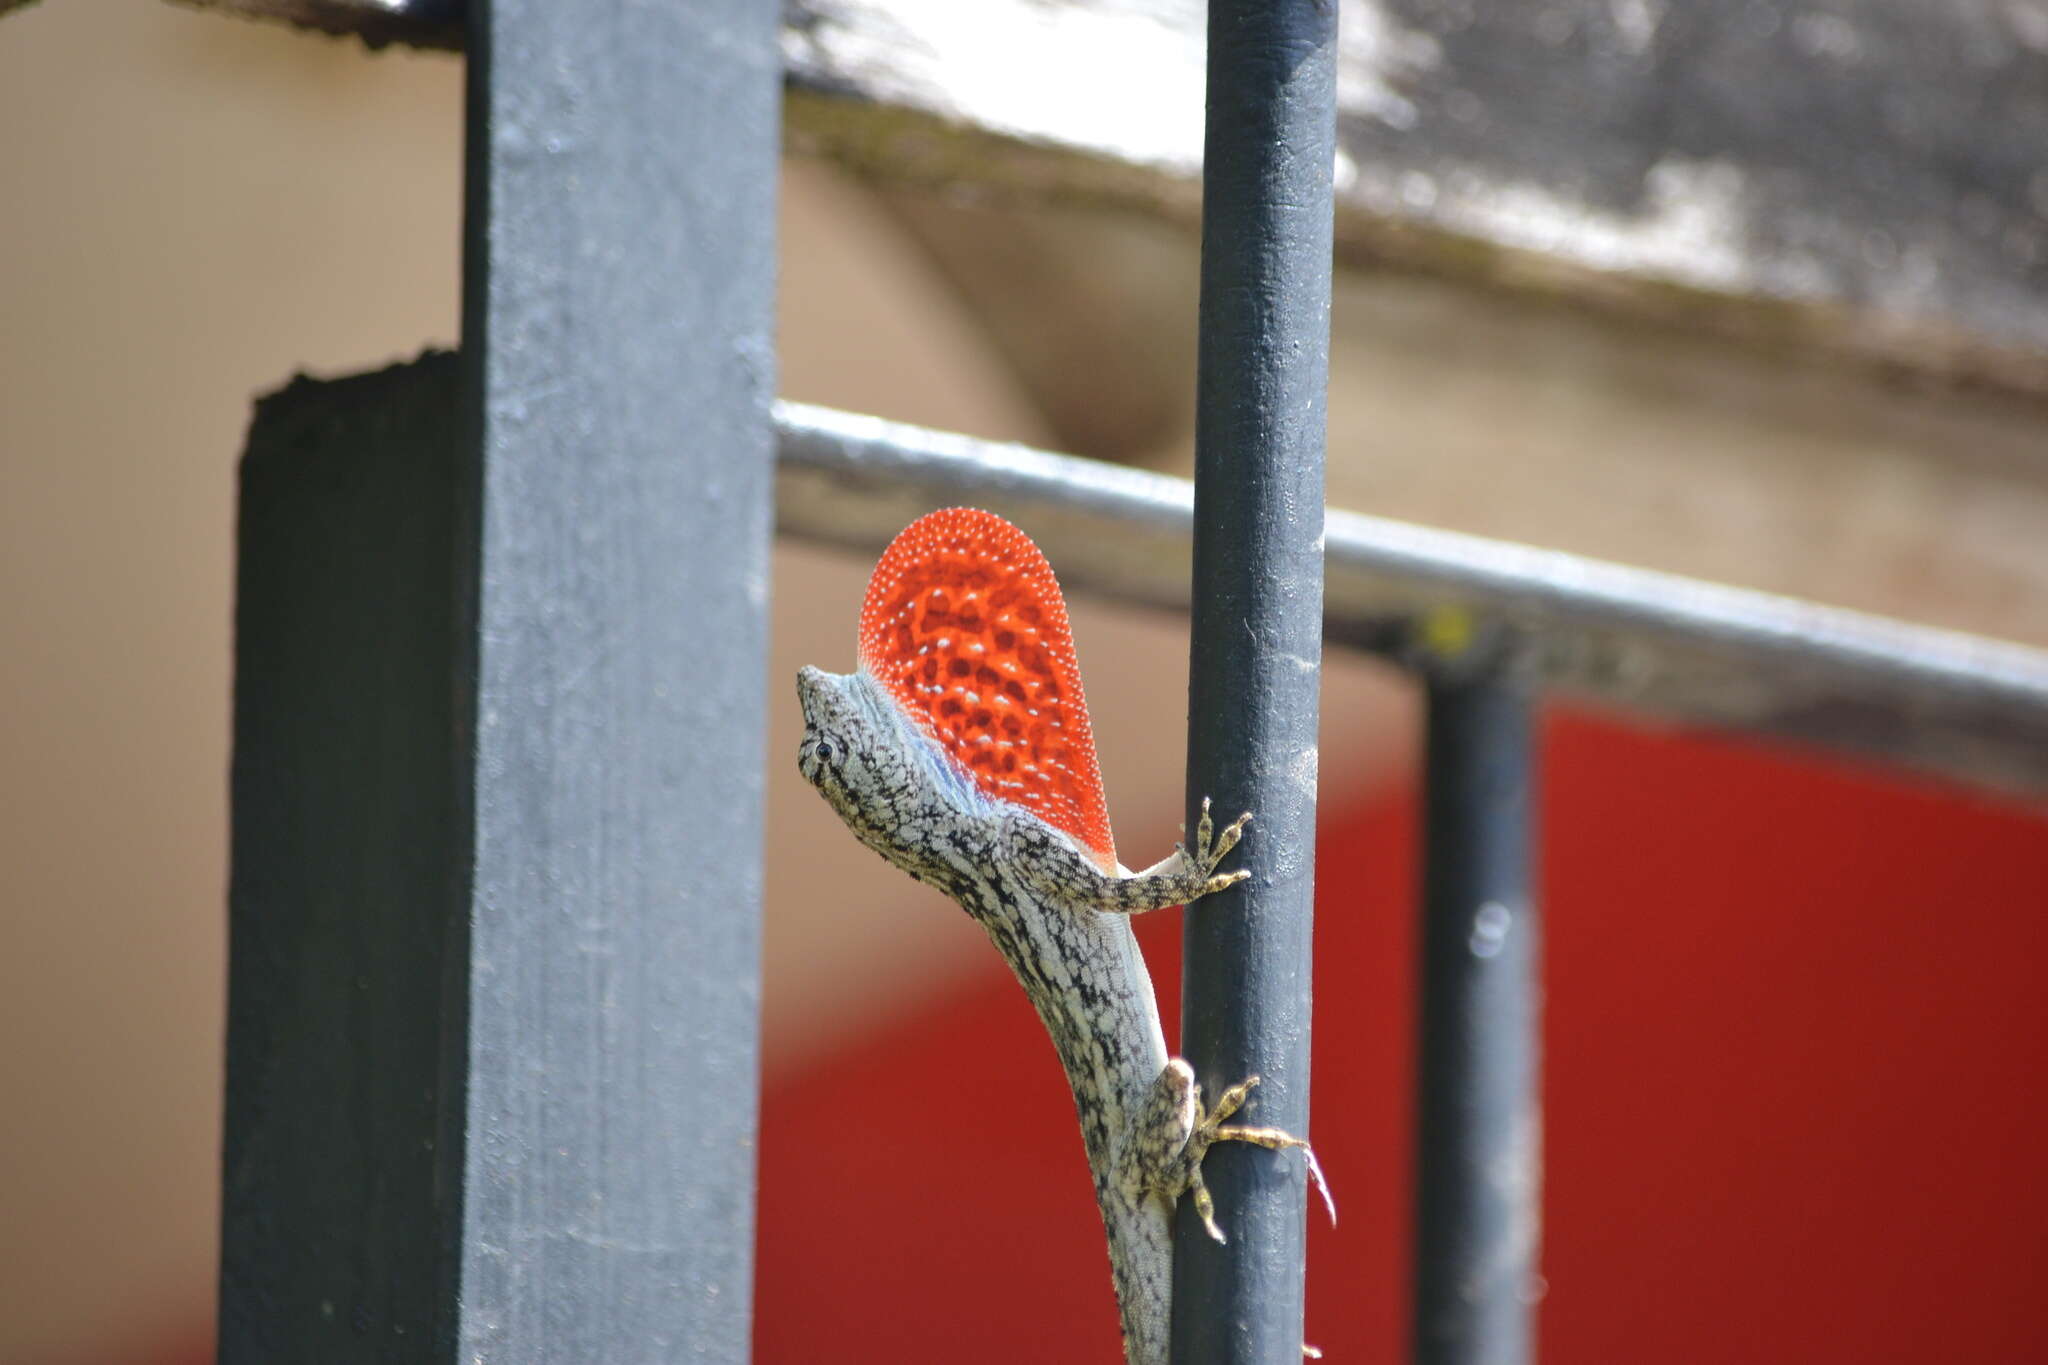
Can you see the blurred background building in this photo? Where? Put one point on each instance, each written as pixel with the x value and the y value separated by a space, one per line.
pixel 1795 1025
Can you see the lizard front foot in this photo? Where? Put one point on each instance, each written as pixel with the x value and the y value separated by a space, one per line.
pixel 1211 848
pixel 1055 868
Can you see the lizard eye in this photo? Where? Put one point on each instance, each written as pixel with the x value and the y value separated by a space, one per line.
pixel 826 752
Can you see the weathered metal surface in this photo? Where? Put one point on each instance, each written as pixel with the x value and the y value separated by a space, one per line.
pixel 1851 177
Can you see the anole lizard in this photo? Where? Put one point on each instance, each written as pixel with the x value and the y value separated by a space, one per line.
pixel 960 750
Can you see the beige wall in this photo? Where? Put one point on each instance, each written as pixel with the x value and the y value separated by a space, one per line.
pixel 194 209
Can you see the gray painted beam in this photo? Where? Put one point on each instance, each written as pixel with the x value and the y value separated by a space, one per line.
pixel 494 976
pixel 618 324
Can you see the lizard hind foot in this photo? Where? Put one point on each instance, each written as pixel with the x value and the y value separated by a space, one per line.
pixel 1174 1130
pixel 1211 1128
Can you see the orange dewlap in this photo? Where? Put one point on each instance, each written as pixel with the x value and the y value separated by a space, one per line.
pixel 965 626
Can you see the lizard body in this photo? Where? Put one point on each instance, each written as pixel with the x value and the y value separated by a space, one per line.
pixel 960 751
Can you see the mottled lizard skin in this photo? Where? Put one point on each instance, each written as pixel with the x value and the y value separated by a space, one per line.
pixel 960 751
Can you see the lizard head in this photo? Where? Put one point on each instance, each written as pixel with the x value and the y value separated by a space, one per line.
pixel 869 762
pixel 838 736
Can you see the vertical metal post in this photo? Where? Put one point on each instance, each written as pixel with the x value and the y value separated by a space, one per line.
pixel 618 337
pixel 1479 1143
pixel 347 923
pixel 1257 649
pixel 500 631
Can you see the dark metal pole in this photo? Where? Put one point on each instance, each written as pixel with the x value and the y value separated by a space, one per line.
pixel 1479 1138
pixel 1257 650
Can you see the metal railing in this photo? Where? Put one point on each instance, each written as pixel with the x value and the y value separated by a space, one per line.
pixel 499 631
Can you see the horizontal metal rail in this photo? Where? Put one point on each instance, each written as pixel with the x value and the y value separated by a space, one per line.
pixel 1957 706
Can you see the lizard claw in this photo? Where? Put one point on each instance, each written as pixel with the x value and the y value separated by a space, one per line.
pixel 1223 879
pixel 1210 847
